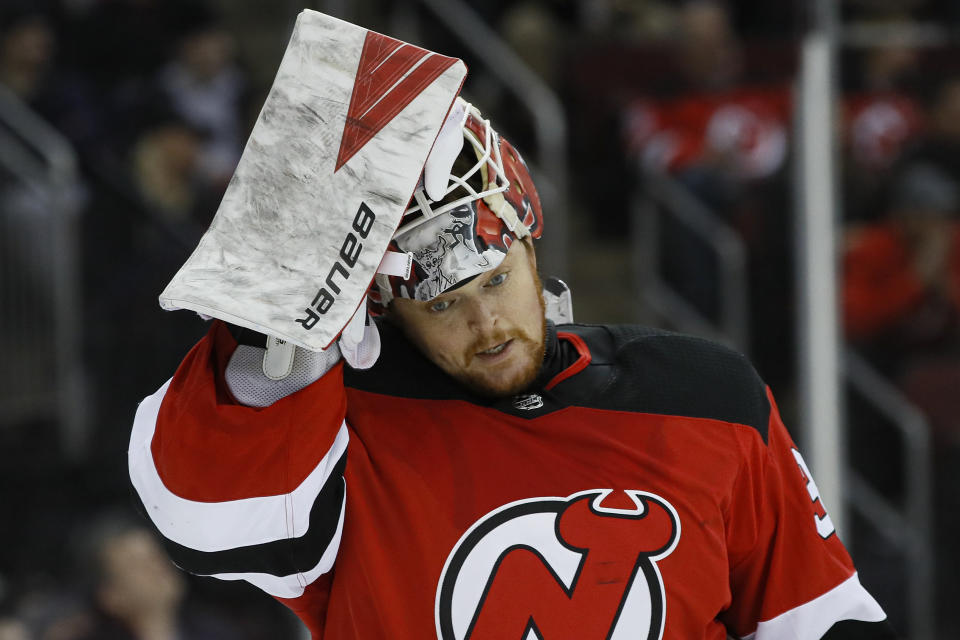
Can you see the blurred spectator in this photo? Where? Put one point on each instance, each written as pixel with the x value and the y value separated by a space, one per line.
pixel 709 50
pixel 700 102
pixel 538 37
pixel 134 590
pixel 712 125
pixel 12 626
pixel 882 116
pixel 724 134
pixel 940 143
pixel 626 19
pixel 892 67
pixel 902 275
pixel 118 43
pixel 137 233
pixel 901 294
pixel 169 88
pixel 41 609
pixel 28 68
pixel 166 161
pixel 26 49
pixel 206 88
pixel 119 47
pixel 13 629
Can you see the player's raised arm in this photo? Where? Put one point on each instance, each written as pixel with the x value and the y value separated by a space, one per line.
pixel 238 460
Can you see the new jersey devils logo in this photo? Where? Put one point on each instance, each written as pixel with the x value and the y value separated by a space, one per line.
pixel 557 568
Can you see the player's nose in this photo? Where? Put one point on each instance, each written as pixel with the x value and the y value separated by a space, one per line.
pixel 481 316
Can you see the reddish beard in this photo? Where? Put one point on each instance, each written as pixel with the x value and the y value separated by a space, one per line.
pixel 532 346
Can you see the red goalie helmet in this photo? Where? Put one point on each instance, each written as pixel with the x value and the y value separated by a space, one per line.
pixel 482 204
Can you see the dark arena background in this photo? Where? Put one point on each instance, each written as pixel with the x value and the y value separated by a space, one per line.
pixel 781 176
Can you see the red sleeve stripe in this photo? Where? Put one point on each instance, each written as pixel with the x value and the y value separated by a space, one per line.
pixel 207 448
pixel 847 601
pixel 577 366
pixel 216 526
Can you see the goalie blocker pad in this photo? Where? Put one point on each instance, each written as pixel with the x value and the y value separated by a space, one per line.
pixel 322 184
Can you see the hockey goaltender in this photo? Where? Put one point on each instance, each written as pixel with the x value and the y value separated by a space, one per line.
pixel 466 464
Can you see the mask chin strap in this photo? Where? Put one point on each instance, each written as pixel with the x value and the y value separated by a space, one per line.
pixel 394 263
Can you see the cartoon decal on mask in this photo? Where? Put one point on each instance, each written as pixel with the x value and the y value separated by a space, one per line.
pixel 446 252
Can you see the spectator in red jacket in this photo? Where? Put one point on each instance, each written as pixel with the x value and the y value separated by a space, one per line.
pixel 902 275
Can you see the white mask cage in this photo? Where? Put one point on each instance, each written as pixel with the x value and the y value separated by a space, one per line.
pixel 486 151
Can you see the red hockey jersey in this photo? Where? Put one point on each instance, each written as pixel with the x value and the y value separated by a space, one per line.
pixel 644 487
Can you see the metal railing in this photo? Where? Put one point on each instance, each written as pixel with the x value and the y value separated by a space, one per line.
pixel 908 530
pixel 911 529
pixel 662 197
pixel 41 375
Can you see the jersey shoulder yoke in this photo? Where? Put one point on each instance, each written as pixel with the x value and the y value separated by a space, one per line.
pixel 661 372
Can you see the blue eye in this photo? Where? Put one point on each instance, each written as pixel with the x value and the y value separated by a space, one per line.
pixel 440 305
pixel 497 280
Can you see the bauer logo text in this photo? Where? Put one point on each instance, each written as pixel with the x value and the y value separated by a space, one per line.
pixel 350 250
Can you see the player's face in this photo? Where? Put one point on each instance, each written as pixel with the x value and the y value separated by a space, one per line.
pixel 488 333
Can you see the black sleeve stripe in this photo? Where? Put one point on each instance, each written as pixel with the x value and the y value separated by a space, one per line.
pixel 277 558
pixel 859 630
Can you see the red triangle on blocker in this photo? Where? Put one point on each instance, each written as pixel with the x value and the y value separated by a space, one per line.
pixel 390 75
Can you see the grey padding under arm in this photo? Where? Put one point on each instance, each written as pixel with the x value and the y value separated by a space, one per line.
pixel 248 384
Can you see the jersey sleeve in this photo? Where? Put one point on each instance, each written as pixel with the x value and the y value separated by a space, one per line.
pixel 790 576
pixel 245 493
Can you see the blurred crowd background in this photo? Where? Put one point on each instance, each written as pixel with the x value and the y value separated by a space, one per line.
pixel 121 122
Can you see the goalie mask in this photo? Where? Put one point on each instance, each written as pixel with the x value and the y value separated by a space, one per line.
pixel 462 220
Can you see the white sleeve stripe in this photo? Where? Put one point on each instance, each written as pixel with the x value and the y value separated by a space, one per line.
pixel 292 586
pixel 217 526
pixel 847 601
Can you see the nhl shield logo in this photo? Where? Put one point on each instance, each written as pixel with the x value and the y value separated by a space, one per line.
pixel 528 401
pixel 560 568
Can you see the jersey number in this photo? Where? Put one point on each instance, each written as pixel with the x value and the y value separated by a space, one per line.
pixel 824 524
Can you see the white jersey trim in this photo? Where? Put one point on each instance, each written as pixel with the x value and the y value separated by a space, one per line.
pixel 847 601
pixel 217 526
pixel 293 585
